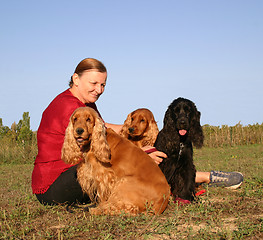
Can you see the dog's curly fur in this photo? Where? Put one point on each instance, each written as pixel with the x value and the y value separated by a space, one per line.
pixel 116 174
pixel 140 128
pixel 181 126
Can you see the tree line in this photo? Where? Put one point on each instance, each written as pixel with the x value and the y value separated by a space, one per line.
pixel 19 132
pixel 215 136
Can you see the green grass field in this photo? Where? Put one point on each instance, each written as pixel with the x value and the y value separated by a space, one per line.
pixel 219 214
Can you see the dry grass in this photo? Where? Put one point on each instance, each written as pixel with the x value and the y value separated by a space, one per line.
pixel 233 135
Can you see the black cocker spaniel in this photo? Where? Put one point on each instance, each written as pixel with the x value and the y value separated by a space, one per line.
pixel 181 129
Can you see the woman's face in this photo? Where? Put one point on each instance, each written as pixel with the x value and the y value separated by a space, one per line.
pixel 89 85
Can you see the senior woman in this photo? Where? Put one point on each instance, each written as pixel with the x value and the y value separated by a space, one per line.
pixel 53 181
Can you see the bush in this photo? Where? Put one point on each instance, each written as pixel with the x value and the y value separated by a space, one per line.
pixel 18 144
pixel 21 132
pixel 233 136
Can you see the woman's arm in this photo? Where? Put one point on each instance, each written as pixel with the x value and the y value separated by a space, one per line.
pixel 157 156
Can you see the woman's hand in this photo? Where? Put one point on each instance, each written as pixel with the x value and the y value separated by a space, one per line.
pixel 157 156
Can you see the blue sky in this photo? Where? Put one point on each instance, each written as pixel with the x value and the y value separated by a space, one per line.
pixel 208 51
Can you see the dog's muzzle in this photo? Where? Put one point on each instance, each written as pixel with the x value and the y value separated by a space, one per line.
pixel 79 131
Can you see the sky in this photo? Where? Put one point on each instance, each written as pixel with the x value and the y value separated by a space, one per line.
pixel 208 51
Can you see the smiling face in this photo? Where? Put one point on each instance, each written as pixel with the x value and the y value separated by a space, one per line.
pixel 89 85
pixel 83 123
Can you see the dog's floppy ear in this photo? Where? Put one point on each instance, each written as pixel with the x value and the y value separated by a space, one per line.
pixel 169 123
pixel 196 131
pixel 99 145
pixel 152 132
pixel 168 137
pixel 70 153
pixel 124 131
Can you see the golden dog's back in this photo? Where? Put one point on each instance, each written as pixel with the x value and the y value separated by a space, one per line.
pixel 129 160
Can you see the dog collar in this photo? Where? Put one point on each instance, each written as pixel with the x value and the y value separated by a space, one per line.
pixel 181 149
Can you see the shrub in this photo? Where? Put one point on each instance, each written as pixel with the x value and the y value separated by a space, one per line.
pixel 233 136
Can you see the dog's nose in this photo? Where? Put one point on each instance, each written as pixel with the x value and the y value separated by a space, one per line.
pixel 131 129
pixel 182 121
pixel 79 131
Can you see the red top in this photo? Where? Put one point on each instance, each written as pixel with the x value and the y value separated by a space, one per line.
pixel 50 138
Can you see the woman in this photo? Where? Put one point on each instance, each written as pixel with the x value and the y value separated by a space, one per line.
pixel 54 181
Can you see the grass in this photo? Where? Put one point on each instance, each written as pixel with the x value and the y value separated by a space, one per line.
pixel 219 214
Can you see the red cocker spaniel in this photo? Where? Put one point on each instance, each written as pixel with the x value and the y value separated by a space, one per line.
pixel 140 128
pixel 116 174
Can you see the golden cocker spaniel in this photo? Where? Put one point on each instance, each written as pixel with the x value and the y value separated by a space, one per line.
pixel 140 128
pixel 116 174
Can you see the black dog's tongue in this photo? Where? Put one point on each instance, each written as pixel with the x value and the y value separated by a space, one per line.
pixel 182 132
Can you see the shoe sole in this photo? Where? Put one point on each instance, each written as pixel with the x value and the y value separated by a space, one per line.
pixel 234 186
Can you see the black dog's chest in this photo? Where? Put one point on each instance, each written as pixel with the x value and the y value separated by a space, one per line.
pixel 181 154
pixel 182 148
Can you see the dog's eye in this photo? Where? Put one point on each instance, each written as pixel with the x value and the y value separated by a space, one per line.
pixel 177 110
pixel 186 109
